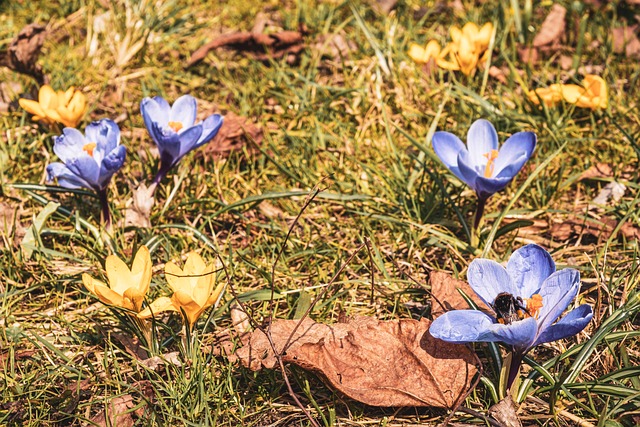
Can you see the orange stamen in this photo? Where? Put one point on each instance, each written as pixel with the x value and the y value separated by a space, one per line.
pixel 491 158
pixel 534 304
pixel 89 147
pixel 176 126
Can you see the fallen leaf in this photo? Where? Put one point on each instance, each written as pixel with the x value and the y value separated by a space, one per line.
pixel 139 207
pixel 528 54
pixel 156 362
pixel 24 49
pixel 626 41
pixel 613 191
pixel 131 344
pixel 235 133
pixel 446 297
pixel 239 319
pixel 571 229
pixel 379 363
pixel 599 170
pixel 11 229
pixel 117 413
pixel 552 29
pixel 335 46
pixel 566 62
pixel 262 46
pixel 505 412
pixel 385 6
pixel 498 74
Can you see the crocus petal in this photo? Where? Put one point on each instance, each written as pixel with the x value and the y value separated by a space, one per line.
pixel 175 277
pixel 447 146
pixel 188 140
pixel 484 36
pixel 468 171
pixel 210 127
pixel 485 187
pixel 511 152
pixel 111 164
pixel 118 273
pixel 463 326
pixel 163 105
pixel 158 306
pixel 105 134
pixel 31 106
pixel 184 111
pixel 204 286
pixel 86 168
pixel 216 295
pixel 154 116
pixel 481 139
pixel 109 296
pixel 557 292
pixel 65 177
pixel 194 264
pixel 68 146
pixel 528 268
pixel 488 278
pixel 47 97
pixel 575 321
pixel 141 268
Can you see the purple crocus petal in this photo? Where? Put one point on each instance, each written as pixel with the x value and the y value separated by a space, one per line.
pixel 86 168
pixel 528 268
pixel 462 326
pixel 575 321
pixel 65 177
pixel 184 111
pixel 512 151
pixel 163 105
pixel 511 170
pixel 111 164
pixel 468 173
pixel 481 139
pixel 447 146
pixel 488 278
pixel 485 187
pixel 188 139
pixel 155 119
pixel 210 127
pixel 105 134
pixel 69 145
pixel 557 292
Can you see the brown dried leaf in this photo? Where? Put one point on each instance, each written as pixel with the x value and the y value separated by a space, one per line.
pixel 444 289
pixel 262 46
pixel 599 170
pixel 498 74
pixel 235 133
pixel 11 229
pixel 139 207
pixel 385 6
pixel 156 362
pixel 336 46
pixel 505 412
pixel 612 192
pixel 552 28
pixel 528 54
pixel 117 413
pixel 22 54
pixel 379 363
pixel 626 41
pixel 602 229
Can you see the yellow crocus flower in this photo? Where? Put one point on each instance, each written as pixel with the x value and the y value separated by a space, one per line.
pixel 127 287
pixel 66 107
pixel 193 290
pixel 592 94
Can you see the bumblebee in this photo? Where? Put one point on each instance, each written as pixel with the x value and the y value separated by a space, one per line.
pixel 509 308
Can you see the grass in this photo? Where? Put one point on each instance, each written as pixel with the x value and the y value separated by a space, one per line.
pixel 358 127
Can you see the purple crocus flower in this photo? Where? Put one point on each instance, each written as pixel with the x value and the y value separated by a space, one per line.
pixel 89 160
pixel 481 164
pixel 174 130
pixel 526 298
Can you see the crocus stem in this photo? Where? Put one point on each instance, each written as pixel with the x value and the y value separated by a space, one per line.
pixel 477 220
pixel 162 172
pixel 105 214
pixel 514 368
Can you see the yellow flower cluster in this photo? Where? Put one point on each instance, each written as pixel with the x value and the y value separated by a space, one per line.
pixel 592 94
pixel 467 49
pixel 66 107
pixel 193 287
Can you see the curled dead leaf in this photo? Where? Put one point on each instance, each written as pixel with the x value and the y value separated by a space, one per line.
pixel 139 207
pixel 626 41
pixel 552 29
pixel 22 54
pixel 236 133
pixel 379 363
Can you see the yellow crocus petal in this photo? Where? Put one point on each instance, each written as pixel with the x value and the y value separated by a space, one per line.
pixel 424 55
pixel 470 30
pixel 455 33
pixel 158 306
pixel 109 296
pixel 32 107
pixel 141 270
pixel 52 114
pixel 597 89
pixel 466 56
pixel 175 276
pixel 194 264
pixel 484 36
pixel 550 95
pixel 65 97
pixel 192 309
pixel 47 97
pixel 204 286
pixel 442 61
pixel 78 103
pixel 216 295
pixel 135 296
pixel 572 93
pixel 67 117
